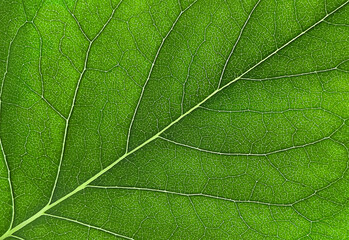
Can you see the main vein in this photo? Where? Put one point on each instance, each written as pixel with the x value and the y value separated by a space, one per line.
pixel 157 135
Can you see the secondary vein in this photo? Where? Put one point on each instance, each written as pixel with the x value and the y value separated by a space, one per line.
pixel 75 95
pixel 87 225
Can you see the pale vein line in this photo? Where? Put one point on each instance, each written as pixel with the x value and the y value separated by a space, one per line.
pixel 190 65
pixel 39 95
pixel 236 43
pixel 337 24
pixel 47 102
pixel 273 112
pixel 190 195
pixel 67 123
pixel 77 23
pixel 292 75
pixel 150 72
pixel 315 193
pixel 87 182
pixel 10 184
pixel 258 111
pixel 1 146
pixel 88 225
pixel 40 72
pixel 60 47
pixel 286 44
pixel 198 217
pixel 292 205
pixel 40 58
pixel 53 108
pixel 74 100
pixel 245 154
pixel 17 237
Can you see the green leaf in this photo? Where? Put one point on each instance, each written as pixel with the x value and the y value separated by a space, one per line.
pixel 174 119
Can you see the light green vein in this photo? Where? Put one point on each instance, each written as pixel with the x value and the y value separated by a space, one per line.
pixel 87 225
pixel 75 96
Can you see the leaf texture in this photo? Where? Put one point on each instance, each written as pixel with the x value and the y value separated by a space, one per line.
pixel 204 119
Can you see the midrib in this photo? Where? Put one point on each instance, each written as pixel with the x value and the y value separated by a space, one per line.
pixel 86 183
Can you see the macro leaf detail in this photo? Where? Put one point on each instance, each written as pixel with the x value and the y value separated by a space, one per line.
pixel 191 119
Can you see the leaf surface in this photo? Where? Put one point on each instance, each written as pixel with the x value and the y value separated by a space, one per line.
pixel 174 119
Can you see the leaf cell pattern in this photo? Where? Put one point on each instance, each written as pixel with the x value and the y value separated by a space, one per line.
pixel 204 119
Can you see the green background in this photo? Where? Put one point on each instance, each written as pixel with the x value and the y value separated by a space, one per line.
pixel 174 119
